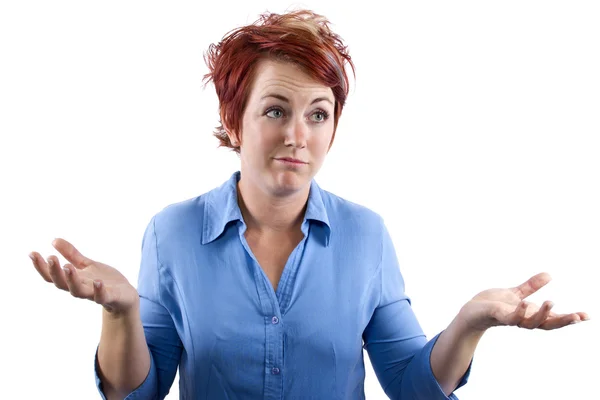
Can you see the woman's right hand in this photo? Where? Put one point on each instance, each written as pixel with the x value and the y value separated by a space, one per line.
pixel 87 279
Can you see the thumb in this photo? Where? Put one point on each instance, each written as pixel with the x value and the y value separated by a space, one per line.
pixel 532 285
pixel 101 294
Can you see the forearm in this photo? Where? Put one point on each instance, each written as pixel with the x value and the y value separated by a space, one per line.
pixel 123 355
pixel 452 354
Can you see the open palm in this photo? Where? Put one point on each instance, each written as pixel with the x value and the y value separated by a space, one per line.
pixel 85 278
pixel 507 306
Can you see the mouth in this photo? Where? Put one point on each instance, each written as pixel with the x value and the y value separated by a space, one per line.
pixel 289 160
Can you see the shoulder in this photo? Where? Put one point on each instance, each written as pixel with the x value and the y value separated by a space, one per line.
pixel 349 215
pixel 181 217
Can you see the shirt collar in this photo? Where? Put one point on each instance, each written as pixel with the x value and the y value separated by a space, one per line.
pixel 222 208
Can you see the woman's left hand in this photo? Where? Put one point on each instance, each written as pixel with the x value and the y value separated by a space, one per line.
pixel 498 307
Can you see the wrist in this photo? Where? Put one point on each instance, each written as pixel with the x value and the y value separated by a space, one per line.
pixel 471 322
pixel 115 314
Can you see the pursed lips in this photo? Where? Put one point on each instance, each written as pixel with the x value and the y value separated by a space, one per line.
pixel 290 160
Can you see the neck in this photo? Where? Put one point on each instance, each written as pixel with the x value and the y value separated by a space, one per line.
pixel 267 213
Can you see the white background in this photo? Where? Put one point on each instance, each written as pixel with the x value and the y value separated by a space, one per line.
pixel 472 127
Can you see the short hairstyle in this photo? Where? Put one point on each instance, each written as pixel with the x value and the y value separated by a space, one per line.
pixel 300 37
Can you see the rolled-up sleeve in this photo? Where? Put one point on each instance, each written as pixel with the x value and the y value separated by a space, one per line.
pixel 147 390
pixel 161 336
pixel 397 347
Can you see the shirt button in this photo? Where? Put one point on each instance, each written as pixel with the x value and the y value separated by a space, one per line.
pixel 275 371
pixel 275 320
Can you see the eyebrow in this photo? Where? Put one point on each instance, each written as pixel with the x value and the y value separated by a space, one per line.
pixel 283 98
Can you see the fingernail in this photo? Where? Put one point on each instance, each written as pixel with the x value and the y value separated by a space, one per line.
pixel 51 262
pixel 32 257
pixel 97 284
pixel 67 271
pixel 575 322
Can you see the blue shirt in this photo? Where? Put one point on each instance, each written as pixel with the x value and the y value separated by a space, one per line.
pixel 208 307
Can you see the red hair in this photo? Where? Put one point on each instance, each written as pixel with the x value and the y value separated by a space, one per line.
pixel 300 37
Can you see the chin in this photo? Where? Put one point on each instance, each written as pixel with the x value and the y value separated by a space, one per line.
pixel 288 182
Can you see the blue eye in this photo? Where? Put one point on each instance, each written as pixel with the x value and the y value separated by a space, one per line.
pixel 318 116
pixel 274 113
pixel 323 116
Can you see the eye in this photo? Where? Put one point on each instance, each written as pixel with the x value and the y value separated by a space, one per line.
pixel 320 116
pixel 275 113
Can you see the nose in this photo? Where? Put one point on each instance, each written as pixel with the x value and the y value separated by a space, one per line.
pixel 296 133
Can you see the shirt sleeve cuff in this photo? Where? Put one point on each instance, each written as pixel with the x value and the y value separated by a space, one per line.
pixel 429 388
pixel 148 390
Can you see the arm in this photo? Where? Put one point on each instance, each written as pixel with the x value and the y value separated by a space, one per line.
pixel 399 351
pixel 452 354
pixel 454 349
pixel 123 356
pixel 137 328
pixel 139 353
pixel 409 367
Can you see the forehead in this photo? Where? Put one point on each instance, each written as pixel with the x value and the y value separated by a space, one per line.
pixel 271 76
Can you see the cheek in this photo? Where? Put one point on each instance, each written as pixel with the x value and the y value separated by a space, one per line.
pixel 268 131
pixel 262 137
pixel 320 143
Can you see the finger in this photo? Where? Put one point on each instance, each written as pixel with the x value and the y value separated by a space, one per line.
pixel 532 285
pixel 76 284
pixel 71 253
pixel 530 309
pixel 517 315
pixel 560 321
pixel 100 294
pixel 538 318
pixel 584 316
pixel 40 265
pixel 56 273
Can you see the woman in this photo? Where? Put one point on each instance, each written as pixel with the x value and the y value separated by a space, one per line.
pixel 268 286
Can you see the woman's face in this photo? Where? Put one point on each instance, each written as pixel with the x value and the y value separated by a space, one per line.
pixel 286 130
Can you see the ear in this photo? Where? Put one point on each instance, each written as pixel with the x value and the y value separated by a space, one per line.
pixel 234 138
